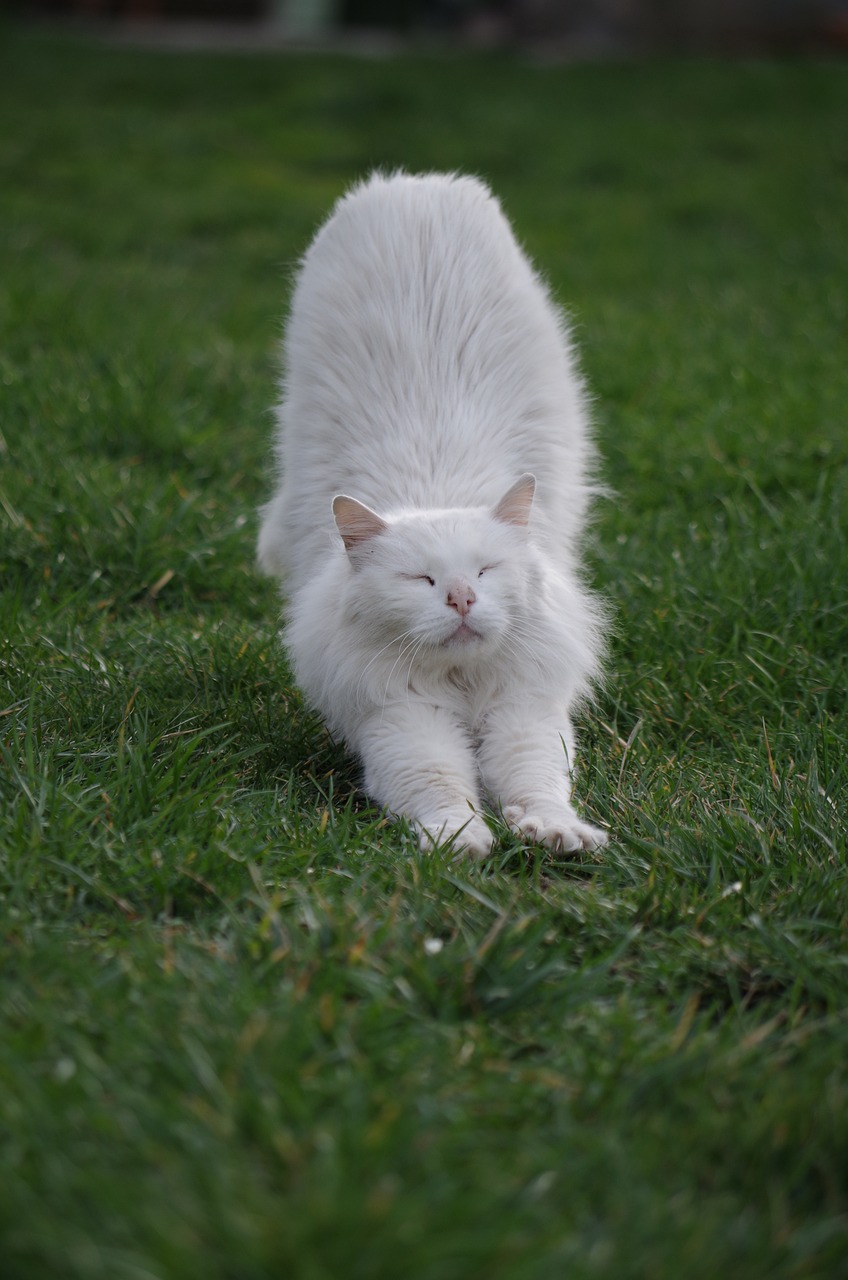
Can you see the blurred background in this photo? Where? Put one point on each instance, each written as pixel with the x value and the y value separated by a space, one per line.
pixel 576 28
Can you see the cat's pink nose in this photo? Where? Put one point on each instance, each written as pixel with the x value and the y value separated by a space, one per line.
pixel 461 598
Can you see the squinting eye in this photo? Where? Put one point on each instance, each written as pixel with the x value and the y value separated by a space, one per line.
pixel 425 577
pixel 485 569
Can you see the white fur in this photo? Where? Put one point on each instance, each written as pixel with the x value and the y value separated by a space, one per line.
pixel 427 372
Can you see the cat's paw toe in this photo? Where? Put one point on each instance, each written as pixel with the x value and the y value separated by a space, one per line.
pixel 465 835
pixel 564 832
pixel 556 836
pixel 591 837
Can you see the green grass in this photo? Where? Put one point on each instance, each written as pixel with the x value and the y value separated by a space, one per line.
pixel 247 1030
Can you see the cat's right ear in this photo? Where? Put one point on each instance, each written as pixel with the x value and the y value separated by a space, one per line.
pixel 356 522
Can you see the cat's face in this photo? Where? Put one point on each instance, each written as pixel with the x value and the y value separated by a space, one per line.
pixel 453 582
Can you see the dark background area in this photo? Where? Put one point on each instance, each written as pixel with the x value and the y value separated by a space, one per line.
pixel 587 27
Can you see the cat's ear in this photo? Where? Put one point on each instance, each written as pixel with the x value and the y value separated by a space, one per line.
pixel 514 507
pixel 356 522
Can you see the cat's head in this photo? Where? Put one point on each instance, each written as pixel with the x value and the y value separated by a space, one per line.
pixel 456 580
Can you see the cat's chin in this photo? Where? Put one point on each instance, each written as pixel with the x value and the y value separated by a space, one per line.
pixel 462 637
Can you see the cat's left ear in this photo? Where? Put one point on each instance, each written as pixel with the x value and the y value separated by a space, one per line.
pixel 356 522
pixel 515 506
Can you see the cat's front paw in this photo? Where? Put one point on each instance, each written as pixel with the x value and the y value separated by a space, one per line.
pixel 557 828
pixel 467 834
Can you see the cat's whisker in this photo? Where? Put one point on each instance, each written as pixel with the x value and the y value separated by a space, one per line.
pixel 415 652
pixel 404 635
pixel 414 644
pixel 519 647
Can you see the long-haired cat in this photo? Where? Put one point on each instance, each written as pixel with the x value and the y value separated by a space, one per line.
pixel 434 473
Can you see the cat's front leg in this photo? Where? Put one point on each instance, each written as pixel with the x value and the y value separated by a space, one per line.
pixel 526 756
pixel 419 764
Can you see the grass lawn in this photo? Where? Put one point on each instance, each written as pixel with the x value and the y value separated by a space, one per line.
pixel 247 1030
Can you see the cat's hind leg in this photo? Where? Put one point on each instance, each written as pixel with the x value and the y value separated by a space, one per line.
pixel 419 763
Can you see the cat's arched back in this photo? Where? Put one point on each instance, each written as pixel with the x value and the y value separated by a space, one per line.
pixel 425 366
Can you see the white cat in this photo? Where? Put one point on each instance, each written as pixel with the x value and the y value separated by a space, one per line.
pixel 436 615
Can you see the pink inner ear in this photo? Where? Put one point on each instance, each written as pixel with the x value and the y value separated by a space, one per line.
pixel 516 504
pixel 356 522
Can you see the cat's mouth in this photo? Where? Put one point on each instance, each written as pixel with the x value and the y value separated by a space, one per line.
pixel 464 634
